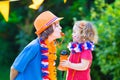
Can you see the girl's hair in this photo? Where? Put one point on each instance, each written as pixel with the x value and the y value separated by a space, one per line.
pixel 44 35
pixel 87 31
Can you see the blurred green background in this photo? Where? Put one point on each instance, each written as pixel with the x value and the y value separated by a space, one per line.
pixel 105 14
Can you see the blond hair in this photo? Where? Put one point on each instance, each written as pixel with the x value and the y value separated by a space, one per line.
pixel 87 31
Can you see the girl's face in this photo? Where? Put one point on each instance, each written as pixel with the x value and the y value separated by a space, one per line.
pixel 76 34
pixel 57 30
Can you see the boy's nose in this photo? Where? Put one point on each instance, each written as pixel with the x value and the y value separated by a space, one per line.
pixel 60 27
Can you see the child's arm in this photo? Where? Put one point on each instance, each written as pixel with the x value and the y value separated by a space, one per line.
pixel 77 66
pixel 13 73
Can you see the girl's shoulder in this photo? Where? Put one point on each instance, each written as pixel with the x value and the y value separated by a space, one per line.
pixel 86 54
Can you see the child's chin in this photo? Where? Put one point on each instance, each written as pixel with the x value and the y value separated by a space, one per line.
pixel 74 40
pixel 59 36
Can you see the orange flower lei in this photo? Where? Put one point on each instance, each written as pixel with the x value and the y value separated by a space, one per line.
pixel 51 59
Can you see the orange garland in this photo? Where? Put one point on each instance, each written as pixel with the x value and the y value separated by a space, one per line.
pixel 51 60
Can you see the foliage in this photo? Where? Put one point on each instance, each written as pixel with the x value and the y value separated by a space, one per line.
pixel 4 73
pixel 62 45
pixel 107 22
pixel 19 31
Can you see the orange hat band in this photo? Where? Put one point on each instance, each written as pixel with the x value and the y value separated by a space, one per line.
pixel 51 21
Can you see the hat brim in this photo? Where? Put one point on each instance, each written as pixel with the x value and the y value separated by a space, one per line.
pixel 58 19
pixel 39 31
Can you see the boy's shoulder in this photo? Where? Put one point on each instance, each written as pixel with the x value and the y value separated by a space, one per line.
pixel 34 43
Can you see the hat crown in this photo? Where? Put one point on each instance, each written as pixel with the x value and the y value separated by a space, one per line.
pixel 43 19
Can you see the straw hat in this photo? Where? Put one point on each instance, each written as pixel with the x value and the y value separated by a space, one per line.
pixel 44 20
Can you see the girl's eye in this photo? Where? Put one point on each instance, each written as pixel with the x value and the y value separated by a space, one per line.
pixel 74 32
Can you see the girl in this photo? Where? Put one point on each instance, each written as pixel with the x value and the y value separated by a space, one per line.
pixel 80 59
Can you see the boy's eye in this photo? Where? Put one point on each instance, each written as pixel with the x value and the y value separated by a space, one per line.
pixel 57 25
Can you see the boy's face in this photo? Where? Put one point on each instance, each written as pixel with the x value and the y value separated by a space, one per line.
pixel 76 34
pixel 57 30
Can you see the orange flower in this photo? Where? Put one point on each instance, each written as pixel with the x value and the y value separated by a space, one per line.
pixel 51 59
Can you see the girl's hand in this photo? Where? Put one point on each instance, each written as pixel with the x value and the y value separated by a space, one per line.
pixel 65 63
